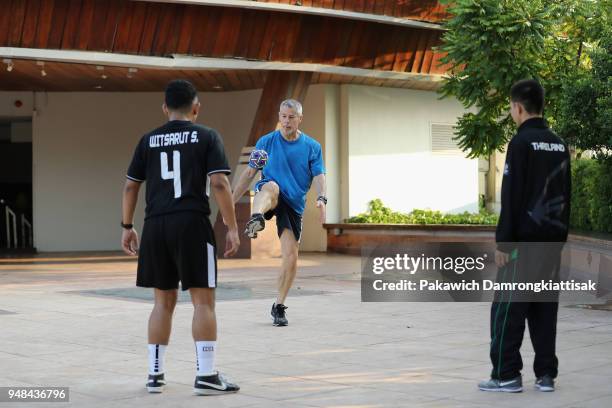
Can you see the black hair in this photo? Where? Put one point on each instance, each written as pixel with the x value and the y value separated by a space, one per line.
pixel 180 95
pixel 530 94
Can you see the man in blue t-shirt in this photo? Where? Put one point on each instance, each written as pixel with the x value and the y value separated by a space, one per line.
pixel 294 163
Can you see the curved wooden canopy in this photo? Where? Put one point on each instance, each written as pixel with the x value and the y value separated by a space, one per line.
pixel 423 10
pixel 167 29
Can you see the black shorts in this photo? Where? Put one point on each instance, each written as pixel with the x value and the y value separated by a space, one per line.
pixel 286 218
pixel 177 247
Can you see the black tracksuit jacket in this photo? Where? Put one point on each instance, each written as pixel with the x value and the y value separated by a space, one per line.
pixel 536 188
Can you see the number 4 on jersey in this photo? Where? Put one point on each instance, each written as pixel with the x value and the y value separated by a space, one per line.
pixel 175 174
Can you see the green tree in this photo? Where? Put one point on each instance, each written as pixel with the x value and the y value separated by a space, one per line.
pixel 585 108
pixel 491 44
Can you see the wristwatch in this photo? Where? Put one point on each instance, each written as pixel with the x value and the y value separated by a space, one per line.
pixel 127 226
pixel 323 199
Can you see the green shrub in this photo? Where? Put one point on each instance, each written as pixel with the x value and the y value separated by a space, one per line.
pixel 591 195
pixel 379 214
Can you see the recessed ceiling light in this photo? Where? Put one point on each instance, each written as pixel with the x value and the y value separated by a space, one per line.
pixel 41 64
pixel 9 64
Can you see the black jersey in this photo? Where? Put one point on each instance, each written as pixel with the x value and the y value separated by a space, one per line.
pixel 536 188
pixel 176 160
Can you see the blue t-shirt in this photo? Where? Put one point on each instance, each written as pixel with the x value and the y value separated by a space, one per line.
pixel 292 165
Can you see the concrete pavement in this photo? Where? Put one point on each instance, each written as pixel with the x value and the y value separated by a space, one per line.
pixel 76 320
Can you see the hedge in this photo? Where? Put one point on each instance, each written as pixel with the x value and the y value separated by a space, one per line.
pixel 379 214
pixel 591 195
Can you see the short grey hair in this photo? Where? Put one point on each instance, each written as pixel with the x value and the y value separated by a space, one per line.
pixel 292 104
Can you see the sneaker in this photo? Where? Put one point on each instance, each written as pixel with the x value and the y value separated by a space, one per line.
pixel 214 384
pixel 279 317
pixel 545 383
pixel 493 385
pixel 156 383
pixel 254 225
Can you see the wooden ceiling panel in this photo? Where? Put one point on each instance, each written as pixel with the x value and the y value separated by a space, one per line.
pixel 422 10
pixel 162 29
pixel 136 28
pixel 30 22
pixel 4 24
pixel 17 10
pixel 54 35
pixel 229 31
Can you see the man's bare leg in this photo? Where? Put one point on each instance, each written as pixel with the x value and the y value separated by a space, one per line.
pixel 204 324
pixel 204 329
pixel 289 252
pixel 160 326
pixel 160 320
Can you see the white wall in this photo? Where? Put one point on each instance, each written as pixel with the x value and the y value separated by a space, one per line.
pixel 333 152
pixel 8 108
pixel 389 152
pixel 376 144
pixel 82 145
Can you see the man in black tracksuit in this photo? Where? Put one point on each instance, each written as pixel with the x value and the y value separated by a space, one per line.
pixel 535 206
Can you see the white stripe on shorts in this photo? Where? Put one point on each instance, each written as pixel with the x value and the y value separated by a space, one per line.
pixel 210 256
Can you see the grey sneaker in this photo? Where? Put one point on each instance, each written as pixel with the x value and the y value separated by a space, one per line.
pixel 279 317
pixel 254 225
pixel 545 383
pixel 493 385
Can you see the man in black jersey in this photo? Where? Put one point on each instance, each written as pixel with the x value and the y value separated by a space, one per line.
pixel 535 208
pixel 180 162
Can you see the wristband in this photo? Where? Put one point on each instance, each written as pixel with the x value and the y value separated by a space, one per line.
pixel 127 226
pixel 323 199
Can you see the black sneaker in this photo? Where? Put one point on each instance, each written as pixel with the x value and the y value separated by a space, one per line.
pixel 545 383
pixel 214 384
pixel 494 385
pixel 156 383
pixel 256 223
pixel 278 315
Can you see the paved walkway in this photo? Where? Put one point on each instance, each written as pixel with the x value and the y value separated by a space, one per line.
pixel 75 320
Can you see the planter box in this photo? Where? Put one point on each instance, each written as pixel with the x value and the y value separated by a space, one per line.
pixel 350 238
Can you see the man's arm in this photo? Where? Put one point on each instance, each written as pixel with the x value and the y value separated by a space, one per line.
pixel 223 194
pixel 513 185
pixel 320 186
pixel 243 183
pixel 129 238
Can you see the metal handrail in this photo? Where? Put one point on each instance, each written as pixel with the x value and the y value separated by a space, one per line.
pixel 8 214
pixel 30 240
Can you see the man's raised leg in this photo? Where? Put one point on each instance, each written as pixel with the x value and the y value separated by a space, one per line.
pixel 265 200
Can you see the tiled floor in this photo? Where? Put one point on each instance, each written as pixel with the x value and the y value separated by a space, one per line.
pixel 60 325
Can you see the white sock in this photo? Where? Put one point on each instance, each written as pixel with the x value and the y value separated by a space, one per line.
pixel 205 351
pixel 156 358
